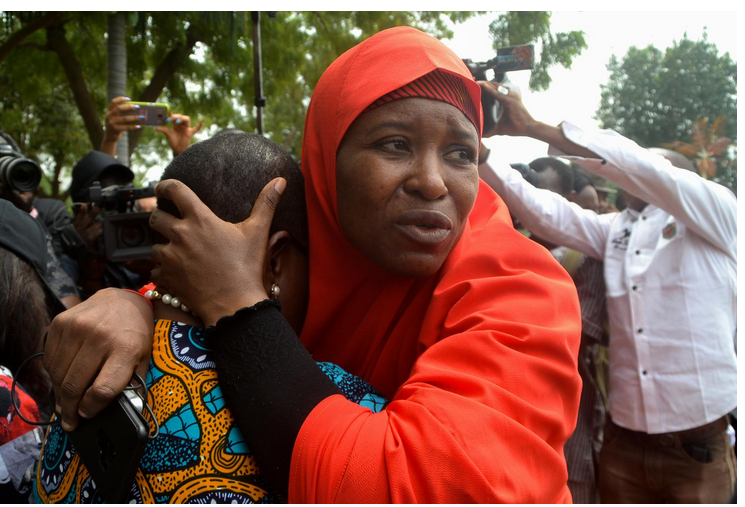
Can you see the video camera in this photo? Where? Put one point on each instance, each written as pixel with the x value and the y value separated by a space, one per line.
pixel 126 233
pixel 508 59
pixel 16 172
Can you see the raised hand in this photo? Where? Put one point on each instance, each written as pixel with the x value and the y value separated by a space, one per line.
pixel 180 136
pixel 118 120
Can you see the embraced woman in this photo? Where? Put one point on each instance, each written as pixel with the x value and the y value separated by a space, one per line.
pixel 418 283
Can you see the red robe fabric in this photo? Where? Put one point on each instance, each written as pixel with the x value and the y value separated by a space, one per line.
pixel 479 360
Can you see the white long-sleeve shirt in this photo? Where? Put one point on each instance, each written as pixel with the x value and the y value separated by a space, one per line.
pixel 670 273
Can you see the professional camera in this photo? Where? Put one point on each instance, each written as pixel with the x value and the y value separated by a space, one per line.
pixel 126 233
pixel 16 172
pixel 507 60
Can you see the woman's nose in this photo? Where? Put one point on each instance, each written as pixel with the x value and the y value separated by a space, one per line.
pixel 427 176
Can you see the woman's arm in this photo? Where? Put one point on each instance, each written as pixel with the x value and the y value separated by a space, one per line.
pixel 93 349
pixel 272 383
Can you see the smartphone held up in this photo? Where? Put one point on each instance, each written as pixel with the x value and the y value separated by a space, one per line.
pixel 153 113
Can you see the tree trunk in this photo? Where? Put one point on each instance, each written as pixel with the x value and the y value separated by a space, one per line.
pixel 117 72
pixel 84 101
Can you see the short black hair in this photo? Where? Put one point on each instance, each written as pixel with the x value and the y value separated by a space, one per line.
pixel 566 175
pixel 229 170
pixel 526 172
pixel 581 180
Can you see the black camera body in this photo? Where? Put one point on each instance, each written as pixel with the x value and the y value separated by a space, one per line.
pixel 508 59
pixel 126 233
pixel 16 172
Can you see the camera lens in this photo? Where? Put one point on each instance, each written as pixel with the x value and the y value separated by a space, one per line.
pixel 19 173
pixel 131 236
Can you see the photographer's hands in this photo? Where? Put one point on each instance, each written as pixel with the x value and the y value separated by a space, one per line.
pixel 87 226
pixel 517 121
pixel 118 122
pixel 214 267
pixel 180 136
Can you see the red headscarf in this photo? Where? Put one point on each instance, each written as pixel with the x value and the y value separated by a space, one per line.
pixel 479 360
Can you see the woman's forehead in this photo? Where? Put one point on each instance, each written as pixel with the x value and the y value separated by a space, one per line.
pixel 411 114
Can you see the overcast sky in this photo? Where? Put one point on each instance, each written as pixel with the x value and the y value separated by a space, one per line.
pixel 574 94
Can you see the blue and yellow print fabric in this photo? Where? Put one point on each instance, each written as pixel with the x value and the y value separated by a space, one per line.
pixel 199 456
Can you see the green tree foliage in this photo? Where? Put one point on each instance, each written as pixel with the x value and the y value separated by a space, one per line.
pixel 523 27
pixel 656 98
pixel 53 73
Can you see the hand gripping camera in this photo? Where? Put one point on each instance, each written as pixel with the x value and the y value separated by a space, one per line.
pixel 507 60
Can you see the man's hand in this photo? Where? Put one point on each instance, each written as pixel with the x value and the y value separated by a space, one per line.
pixel 87 226
pixel 117 122
pixel 180 136
pixel 93 349
pixel 515 119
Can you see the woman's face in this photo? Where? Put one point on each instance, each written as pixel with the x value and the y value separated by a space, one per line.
pixel 406 180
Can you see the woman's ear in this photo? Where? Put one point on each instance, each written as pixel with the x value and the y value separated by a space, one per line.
pixel 274 264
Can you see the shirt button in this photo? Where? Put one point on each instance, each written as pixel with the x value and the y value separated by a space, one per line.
pixel 638 252
pixel 644 372
pixel 639 330
pixel 634 287
pixel 644 218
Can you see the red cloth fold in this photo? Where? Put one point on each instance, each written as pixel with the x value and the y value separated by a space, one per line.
pixel 479 360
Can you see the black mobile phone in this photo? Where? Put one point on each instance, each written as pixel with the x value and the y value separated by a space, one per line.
pixel 111 445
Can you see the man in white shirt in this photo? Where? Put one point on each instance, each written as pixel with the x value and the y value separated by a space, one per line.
pixel 670 272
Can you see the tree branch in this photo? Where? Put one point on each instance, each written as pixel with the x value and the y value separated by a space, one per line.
pixel 33 27
pixel 56 39
pixel 165 71
pixel 41 47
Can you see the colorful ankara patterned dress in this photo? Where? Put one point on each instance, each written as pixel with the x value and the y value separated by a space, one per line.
pixel 199 455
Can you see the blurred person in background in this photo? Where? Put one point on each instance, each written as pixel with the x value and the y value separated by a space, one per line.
pixel 670 264
pixel 27 303
pixel 44 211
pixel 583 447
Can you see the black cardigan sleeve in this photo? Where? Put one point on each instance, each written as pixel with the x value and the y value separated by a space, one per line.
pixel 270 382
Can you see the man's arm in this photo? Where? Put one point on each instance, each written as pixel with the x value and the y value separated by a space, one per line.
pixel 705 207
pixel 546 214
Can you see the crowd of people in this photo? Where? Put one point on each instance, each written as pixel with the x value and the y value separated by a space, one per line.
pixel 408 318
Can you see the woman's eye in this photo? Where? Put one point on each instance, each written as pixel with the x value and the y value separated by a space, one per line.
pixel 460 155
pixel 395 145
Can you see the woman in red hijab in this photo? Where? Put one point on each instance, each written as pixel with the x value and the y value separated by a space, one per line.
pixel 418 283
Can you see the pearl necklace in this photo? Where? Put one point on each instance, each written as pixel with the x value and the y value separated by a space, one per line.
pixel 166 299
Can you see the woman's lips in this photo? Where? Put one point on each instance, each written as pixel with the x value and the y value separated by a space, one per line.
pixel 425 226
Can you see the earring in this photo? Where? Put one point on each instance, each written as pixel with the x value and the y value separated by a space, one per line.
pixel 275 291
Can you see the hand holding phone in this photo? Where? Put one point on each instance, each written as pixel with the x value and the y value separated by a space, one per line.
pixel 149 113
pixel 111 445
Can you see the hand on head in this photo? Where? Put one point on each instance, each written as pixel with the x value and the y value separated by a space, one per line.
pixel 180 136
pixel 215 267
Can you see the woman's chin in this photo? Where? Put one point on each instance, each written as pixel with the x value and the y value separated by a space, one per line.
pixel 415 264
